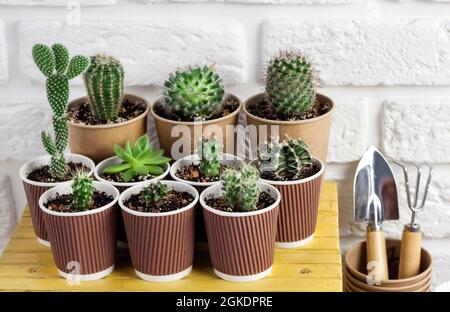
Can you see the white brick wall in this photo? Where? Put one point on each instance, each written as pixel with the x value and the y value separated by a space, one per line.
pixel 259 1
pixel 3 56
pixel 55 2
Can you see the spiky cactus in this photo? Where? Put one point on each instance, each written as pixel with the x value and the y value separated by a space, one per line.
pixel 55 64
pixel 240 188
pixel 196 92
pixel 82 191
pixel 290 83
pixel 209 152
pixel 154 192
pixel 287 160
pixel 104 84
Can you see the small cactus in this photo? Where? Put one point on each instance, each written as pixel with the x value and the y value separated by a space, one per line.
pixel 196 92
pixel 290 84
pixel 82 191
pixel 286 161
pixel 55 64
pixel 104 84
pixel 209 152
pixel 154 192
pixel 240 188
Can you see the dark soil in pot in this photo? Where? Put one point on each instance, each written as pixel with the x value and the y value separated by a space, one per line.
pixel 192 173
pixel 173 200
pixel 117 177
pixel 230 104
pixel 306 173
pixel 43 175
pixel 264 201
pixel 264 110
pixel 82 113
pixel 64 202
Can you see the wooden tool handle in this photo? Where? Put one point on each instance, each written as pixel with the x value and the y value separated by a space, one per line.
pixel 410 253
pixel 377 267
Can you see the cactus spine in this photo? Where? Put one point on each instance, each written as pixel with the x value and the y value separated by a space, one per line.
pixel 104 84
pixel 240 188
pixel 154 192
pixel 290 84
pixel 54 63
pixel 209 152
pixel 196 92
pixel 82 191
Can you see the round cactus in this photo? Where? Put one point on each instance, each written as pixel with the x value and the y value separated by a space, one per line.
pixel 290 84
pixel 82 191
pixel 240 188
pixel 104 84
pixel 197 92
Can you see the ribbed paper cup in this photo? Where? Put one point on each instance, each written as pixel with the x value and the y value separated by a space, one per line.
pixel 34 190
pixel 161 245
pixel 83 243
pixel 122 186
pixel 299 208
pixel 241 244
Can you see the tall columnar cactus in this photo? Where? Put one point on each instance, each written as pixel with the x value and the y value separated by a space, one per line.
pixel 196 92
pixel 286 160
pixel 240 188
pixel 209 152
pixel 290 84
pixel 55 64
pixel 104 84
pixel 82 191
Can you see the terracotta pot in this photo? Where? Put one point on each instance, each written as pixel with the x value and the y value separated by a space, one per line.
pixel 299 208
pixel 164 128
pixel 161 244
pixel 121 186
pixel 34 190
pixel 355 264
pixel 315 132
pixel 200 230
pixel 83 243
pixel 96 142
pixel 241 244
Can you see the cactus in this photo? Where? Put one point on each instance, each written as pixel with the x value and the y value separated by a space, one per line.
pixel 209 152
pixel 154 192
pixel 290 84
pixel 104 84
pixel 286 161
pixel 196 92
pixel 240 188
pixel 54 63
pixel 82 191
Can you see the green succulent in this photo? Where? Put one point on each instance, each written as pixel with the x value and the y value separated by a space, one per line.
pixel 138 159
pixel 209 152
pixel 154 192
pixel 240 188
pixel 82 191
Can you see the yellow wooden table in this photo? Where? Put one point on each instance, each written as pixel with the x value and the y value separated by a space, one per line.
pixel 28 266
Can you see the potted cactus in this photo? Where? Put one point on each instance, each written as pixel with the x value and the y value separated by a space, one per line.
pixel 159 220
pixel 289 166
pixel 290 105
pixel 202 170
pixel 41 174
pixel 133 164
pixel 194 105
pixel 241 220
pixel 107 116
pixel 80 219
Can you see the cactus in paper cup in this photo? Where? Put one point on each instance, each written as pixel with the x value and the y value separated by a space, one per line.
pixel 82 191
pixel 209 152
pixel 240 188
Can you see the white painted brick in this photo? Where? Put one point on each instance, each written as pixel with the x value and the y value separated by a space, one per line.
pixel 55 2
pixel 21 123
pixel 417 129
pixel 149 49
pixel 7 211
pixel 408 51
pixel 348 130
pixel 3 56
pixel 258 1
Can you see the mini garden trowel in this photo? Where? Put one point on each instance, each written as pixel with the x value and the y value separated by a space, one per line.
pixel 375 200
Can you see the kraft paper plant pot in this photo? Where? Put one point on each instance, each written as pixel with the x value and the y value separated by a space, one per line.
pixel 200 230
pixel 164 128
pixel 121 186
pixel 83 243
pixel 96 141
pixel 299 207
pixel 161 245
pixel 241 244
pixel 356 272
pixel 34 190
pixel 315 131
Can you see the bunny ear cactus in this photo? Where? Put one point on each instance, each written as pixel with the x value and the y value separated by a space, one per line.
pixel 240 188
pixel 104 84
pixel 290 83
pixel 196 92
pixel 54 63
pixel 82 191
pixel 209 152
